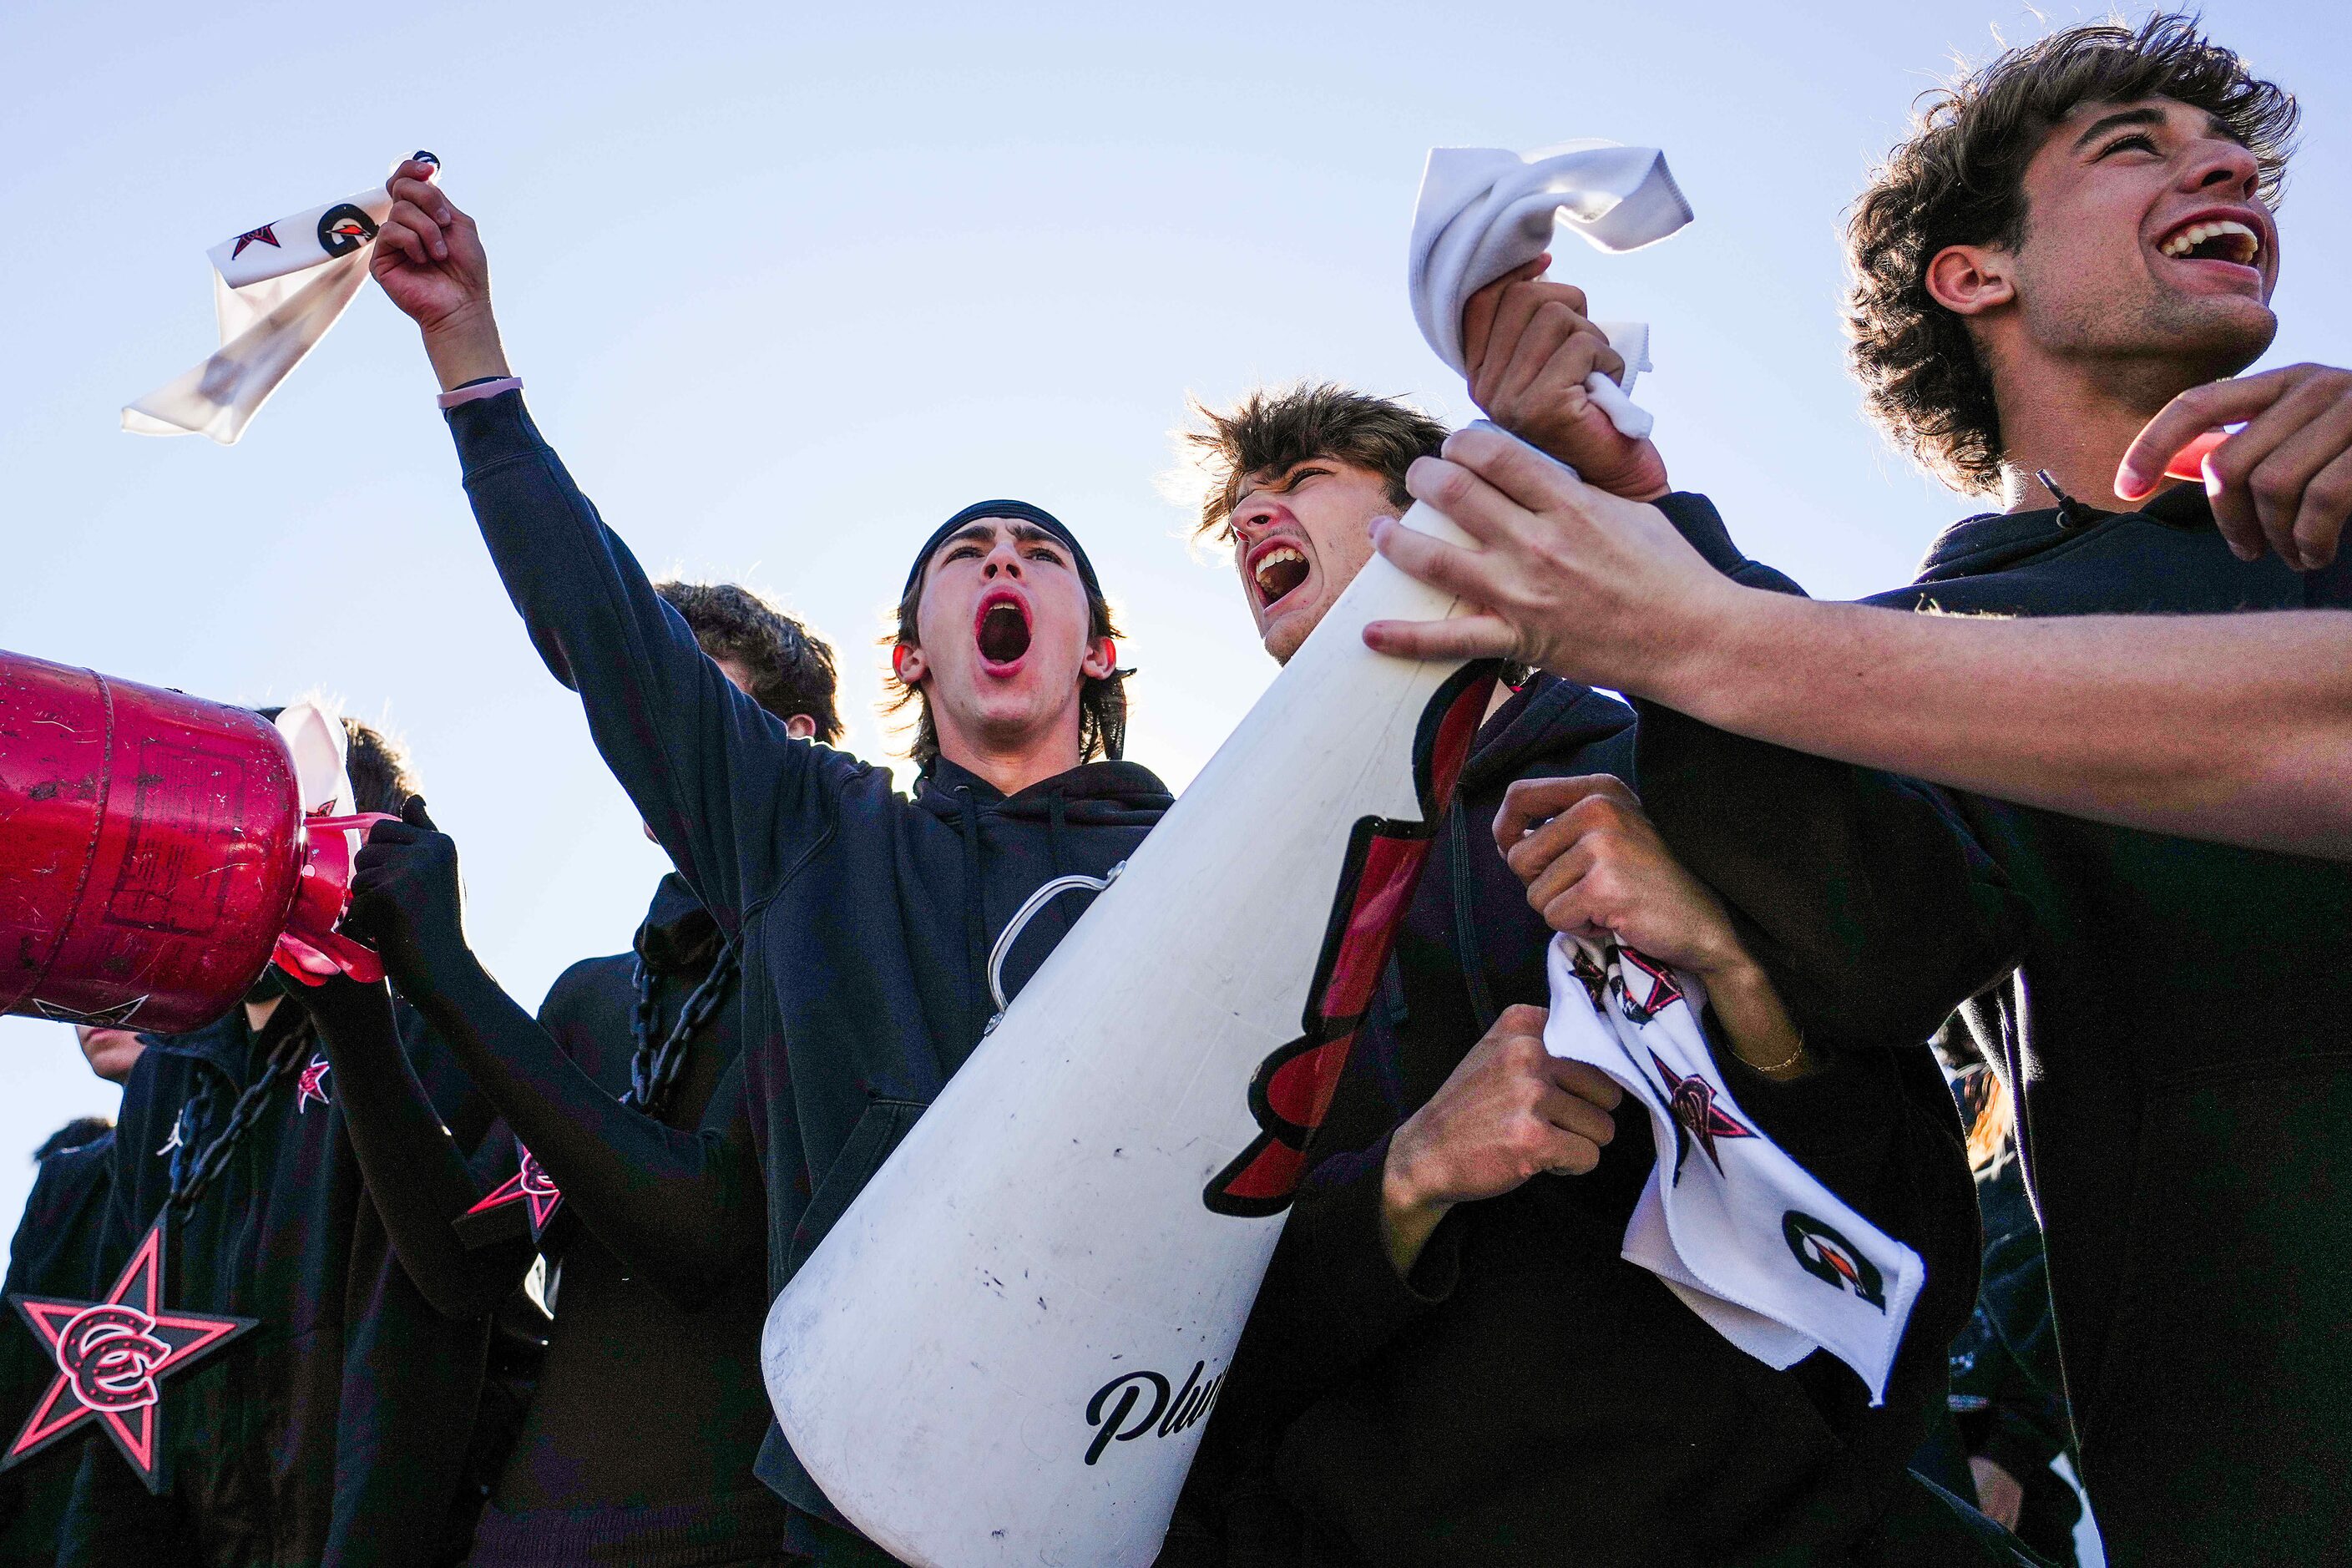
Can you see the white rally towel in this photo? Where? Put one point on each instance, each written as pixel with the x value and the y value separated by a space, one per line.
pixel 275 290
pixel 1483 211
pixel 1776 1262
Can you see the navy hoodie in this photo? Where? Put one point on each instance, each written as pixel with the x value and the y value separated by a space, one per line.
pixel 1529 1396
pixel 56 1253
pixel 335 1431
pixel 2175 1029
pixel 864 918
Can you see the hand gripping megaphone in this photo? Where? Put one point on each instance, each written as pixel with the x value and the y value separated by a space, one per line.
pixel 1004 1351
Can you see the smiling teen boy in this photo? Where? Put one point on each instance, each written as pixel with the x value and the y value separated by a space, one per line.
pixel 864 918
pixel 2050 273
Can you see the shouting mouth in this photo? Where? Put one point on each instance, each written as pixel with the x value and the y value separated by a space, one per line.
pixel 1002 630
pixel 1277 570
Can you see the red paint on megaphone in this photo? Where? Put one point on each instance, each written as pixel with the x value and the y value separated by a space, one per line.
pixel 153 851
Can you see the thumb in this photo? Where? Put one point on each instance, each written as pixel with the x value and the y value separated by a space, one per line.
pixel 415 814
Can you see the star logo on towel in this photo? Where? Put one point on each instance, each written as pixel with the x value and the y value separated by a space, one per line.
pixel 312 1084
pixel 112 1358
pixel 1660 991
pixel 1593 978
pixel 265 234
pixel 1691 1100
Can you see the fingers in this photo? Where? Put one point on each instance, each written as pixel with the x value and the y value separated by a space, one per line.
pixel 1583 1122
pixel 1529 803
pixel 1478 310
pixel 2279 459
pixel 412 219
pixel 1520 480
pixel 2191 415
pixel 1462 637
pixel 1587 1083
pixel 414 814
pixel 2327 504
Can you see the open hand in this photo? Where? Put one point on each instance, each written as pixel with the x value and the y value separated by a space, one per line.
pixel 1565 575
pixel 2284 482
pixel 1530 348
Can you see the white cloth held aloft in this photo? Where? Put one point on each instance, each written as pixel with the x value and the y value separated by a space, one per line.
pixel 275 290
pixel 1483 211
pixel 1747 1238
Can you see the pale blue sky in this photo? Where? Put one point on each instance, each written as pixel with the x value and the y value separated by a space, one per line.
pixel 789 285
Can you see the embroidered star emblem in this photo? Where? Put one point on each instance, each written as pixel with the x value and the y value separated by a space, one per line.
pixel 312 1084
pixel 1657 980
pixel 265 234
pixel 528 1185
pixel 1691 1101
pixel 112 1357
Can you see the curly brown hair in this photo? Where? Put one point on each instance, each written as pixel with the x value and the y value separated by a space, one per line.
pixel 1274 427
pixel 1958 180
pixel 791 667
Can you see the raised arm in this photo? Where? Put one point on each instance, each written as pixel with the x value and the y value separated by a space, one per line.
pixel 682 1208
pixel 696 755
pixel 2236 728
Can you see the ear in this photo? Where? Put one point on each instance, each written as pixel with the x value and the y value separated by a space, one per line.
pixel 907 664
pixel 1102 657
pixel 1970 279
pixel 799 727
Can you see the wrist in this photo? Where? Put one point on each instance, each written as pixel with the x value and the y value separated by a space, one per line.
pixel 1717 643
pixel 464 346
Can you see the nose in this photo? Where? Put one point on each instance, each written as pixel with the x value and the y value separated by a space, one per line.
pixel 2222 164
pixel 1255 515
pixel 1003 561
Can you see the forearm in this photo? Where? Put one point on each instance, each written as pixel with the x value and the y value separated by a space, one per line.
pixel 413 1167
pixel 2236 728
pixel 676 1207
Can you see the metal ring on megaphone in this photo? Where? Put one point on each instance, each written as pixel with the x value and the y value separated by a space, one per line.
pixel 1020 922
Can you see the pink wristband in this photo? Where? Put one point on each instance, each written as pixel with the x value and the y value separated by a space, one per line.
pixel 481 389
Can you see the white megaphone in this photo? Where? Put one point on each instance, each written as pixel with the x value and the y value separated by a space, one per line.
pixel 1004 1351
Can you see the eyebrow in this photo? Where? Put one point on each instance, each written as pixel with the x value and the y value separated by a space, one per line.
pixel 2145 115
pixel 982 530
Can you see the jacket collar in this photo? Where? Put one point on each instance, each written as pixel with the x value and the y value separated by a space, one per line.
pixel 677 933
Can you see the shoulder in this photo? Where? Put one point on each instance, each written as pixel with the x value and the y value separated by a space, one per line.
pixel 592 1002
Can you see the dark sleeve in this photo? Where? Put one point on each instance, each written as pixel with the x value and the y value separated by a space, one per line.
pixel 734 800
pixel 1332 1299
pixel 417 1173
pixel 1864 894
pixel 684 1209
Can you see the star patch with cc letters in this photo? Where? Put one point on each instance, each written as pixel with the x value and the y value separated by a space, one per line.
pixel 112 1357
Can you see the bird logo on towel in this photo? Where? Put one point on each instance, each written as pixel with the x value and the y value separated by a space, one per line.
pixel 312 1084
pixel 1825 1255
pixel 345 228
pixel 1696 1115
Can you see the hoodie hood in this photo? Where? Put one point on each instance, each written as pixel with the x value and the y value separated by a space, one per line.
pixel 677 934
pixel 1546 717
pixel 1997 540
pixel 1095 793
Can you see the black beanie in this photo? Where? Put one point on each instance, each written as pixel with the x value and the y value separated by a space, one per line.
pixel 1019 509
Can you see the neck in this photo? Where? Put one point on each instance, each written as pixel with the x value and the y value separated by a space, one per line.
pixel 2074 419
pixel 1015 762
pixel 257 1013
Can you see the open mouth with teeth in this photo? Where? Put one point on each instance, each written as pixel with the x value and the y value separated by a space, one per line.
pixel 1278 572
pixel 2214 239
pixel 1002 630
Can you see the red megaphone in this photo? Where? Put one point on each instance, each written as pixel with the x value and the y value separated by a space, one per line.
pixel 154 854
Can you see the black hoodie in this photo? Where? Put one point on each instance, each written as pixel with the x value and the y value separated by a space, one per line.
pixel 2175 1029
pixel 1529 1396
pixel 864 918
pixel 56 1253
pixel 334 1432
